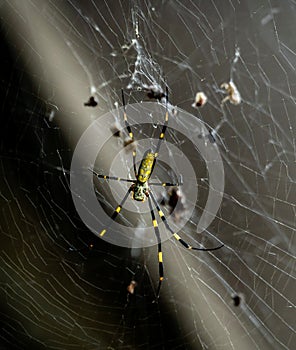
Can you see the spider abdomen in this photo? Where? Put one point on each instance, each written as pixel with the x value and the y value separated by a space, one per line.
pixel 140 188
pixel 146 167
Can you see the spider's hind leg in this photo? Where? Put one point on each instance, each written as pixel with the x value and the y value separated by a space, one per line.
pixel 175 235
pixel 157 234
pixel 116 212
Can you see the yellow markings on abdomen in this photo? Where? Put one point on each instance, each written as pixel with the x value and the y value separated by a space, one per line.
pixel 154 223
pixel 118 209
pixel 146 167
pixel 160 256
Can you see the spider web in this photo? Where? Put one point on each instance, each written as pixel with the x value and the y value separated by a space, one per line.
pixel 58 294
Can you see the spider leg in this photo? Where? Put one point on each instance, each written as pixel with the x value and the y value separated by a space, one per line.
pixel 134 162
pixel 157 234
pixel 116 212
pixel 164 127
pixel 176 236
pixel 163 184
pixel 106 177
pixel 131 135
pixel 166 184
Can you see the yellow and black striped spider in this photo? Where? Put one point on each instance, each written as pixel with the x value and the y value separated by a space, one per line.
pixel 141 190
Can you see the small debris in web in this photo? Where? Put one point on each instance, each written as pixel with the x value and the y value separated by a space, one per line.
pixel 91 102
pixel 200 100
pixel 233 96
pixel 115 129
pixel 129 144
pixel 154 93
pixel 131 287
pixel 237 299
pixel 173 197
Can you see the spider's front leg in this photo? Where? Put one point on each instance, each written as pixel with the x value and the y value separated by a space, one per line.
pixel 132 190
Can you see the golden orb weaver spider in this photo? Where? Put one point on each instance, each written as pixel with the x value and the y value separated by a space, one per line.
pixel 141 190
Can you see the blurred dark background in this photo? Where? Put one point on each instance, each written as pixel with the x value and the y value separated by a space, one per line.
pixel 52 54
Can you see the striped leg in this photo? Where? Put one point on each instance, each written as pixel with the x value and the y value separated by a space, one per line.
pixel 157 234
pixel 166 184
pixel 116 212
pixel 106 177
pixel 176 236
pixel 130 133
pixel 163 184
pixel 134 162
pixel 164 127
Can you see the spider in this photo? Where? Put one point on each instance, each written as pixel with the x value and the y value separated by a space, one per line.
pixel 141 190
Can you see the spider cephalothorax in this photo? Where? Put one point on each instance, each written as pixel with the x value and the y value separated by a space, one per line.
pixel 140 191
